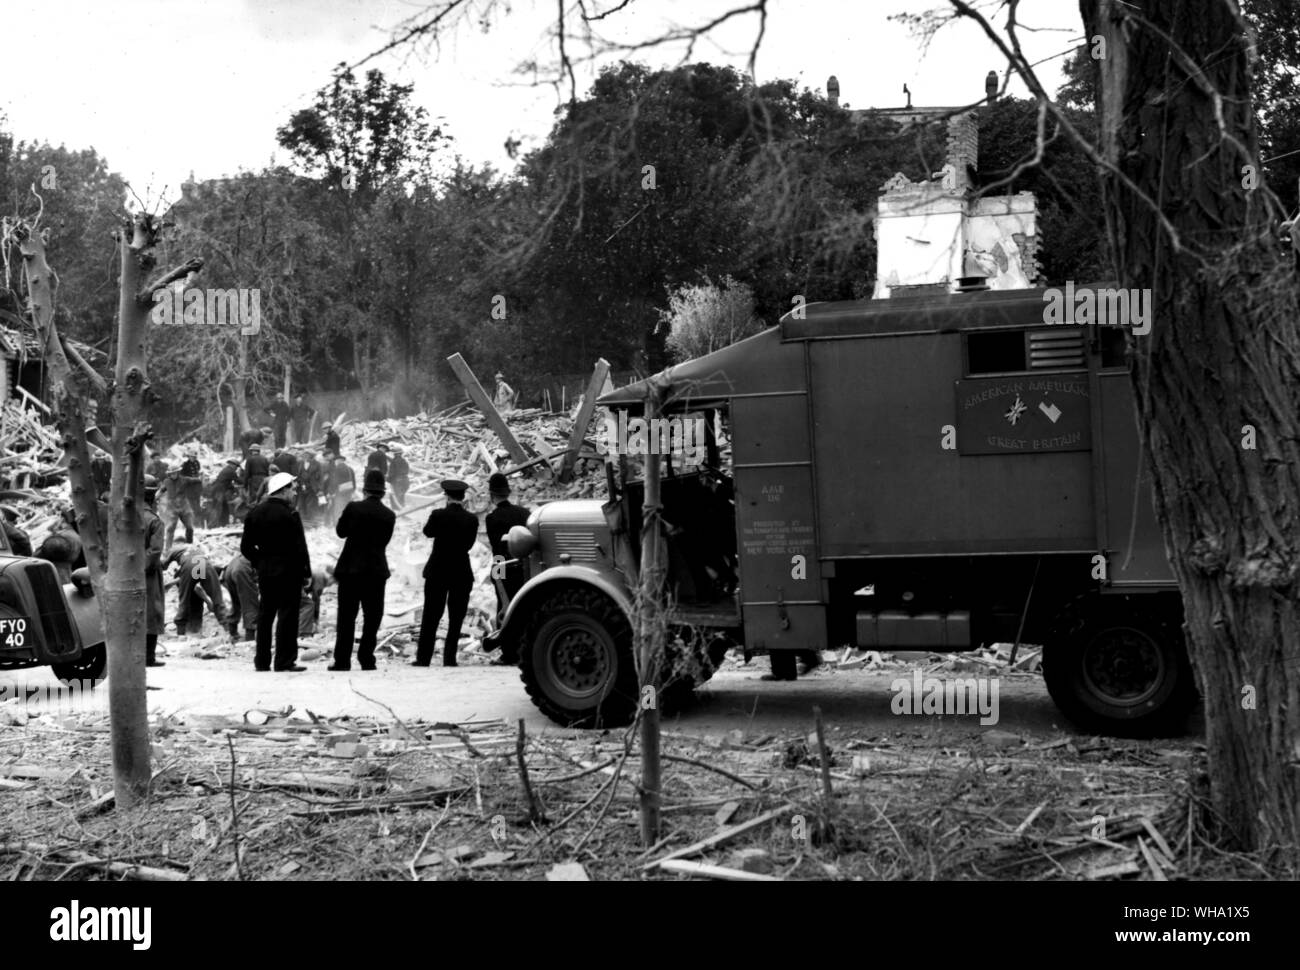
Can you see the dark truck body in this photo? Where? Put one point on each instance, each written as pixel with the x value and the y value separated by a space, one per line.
pixel 936 472
pixel 44 622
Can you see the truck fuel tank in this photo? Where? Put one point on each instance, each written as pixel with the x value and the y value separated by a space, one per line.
pixel 895 629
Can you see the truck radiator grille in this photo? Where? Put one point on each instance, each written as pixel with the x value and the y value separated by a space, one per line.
pixel 1056 348
pixel 55 621
pixel 580 546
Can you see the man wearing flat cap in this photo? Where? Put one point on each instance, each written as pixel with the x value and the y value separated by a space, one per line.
pixel 507 582
pixel 362 571
pixel 448 576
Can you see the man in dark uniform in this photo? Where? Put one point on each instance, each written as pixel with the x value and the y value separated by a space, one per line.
pixel 378 460
pixel 278 409
pixel 253 436
pixel 276 546
pixel 155 597
pixel 256 471
pixel 284 460
pixel 192 483
pixel 340 483
pixel 499 521
pixel 224 492
pixel 448 576
pixel 240 580
pixel 309 485
pixel 399 477
pixel 362 572
pixel 301 414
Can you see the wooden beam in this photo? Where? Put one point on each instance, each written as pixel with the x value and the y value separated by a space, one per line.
pixel 598 377
pixel 484 404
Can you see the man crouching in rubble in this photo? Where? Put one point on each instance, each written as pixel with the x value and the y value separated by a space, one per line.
pixel 198 583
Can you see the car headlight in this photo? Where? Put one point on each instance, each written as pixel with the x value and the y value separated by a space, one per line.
pixel 521 541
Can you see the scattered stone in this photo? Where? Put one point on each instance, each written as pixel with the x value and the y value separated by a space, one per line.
pixel 568 872
pixel 752 860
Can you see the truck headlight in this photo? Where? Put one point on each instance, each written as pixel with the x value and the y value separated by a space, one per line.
pixel 521 541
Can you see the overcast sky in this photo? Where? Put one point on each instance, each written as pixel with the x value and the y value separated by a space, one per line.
pixel 163 88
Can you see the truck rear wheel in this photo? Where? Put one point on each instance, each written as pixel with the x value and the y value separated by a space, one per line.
pixel 1117 665
pixel 88 667
pixel 576 662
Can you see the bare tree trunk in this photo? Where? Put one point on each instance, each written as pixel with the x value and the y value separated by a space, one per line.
pixel 239 386
pixel 1216 379
pixel 650 631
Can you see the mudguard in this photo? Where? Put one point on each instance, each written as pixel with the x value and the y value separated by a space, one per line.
pixel 534 591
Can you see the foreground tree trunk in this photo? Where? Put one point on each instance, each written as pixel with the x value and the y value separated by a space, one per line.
pixel 650 630
pixel 114 547
pixel 1216 380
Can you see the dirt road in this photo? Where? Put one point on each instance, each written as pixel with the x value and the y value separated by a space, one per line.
pixel 736 698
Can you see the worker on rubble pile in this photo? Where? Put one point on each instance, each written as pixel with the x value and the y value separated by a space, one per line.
pixel 448 575
pixel 284 460
pixel 338 484
pixel 240 581
pixel 499 522
pixel 174 506
pixel 378 459
pixel 155 597
pixel 332 442
pixel 257 469
pixel 399 476
pixel 301 414
pixel 310 472
pixel 192 482
pixel 309 603
pixel 275 544
pixel 253 436
pixel 225 492
pixel 279 411
pixel 198 583
pixel 362 571
pixel 505 396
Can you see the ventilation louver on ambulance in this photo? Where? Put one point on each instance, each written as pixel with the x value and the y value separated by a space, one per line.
pixel 1056 349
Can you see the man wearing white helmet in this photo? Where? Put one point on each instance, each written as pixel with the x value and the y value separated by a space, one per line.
pixel 276 546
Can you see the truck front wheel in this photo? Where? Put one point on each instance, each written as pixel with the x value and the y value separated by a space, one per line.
pixel 1117 665
pixel 576 662
pixel 88 667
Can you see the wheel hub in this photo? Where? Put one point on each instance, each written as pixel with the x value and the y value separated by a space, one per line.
pixel 579 661
pixel 1124 665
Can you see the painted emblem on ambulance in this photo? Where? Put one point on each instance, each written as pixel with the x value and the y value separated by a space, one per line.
pixel 1017 411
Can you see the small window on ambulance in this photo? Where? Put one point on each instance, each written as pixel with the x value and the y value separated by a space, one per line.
pixel 995 352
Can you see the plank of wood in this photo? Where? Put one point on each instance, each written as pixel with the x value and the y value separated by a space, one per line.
pixel 484 404
pixel 579 432
pixel 726 835
pixel 714 872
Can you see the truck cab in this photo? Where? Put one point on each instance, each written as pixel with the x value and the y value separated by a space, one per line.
pixel 934 472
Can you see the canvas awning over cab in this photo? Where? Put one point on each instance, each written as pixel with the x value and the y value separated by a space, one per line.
pixel 760 364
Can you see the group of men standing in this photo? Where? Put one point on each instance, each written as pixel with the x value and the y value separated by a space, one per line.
pixel 271 583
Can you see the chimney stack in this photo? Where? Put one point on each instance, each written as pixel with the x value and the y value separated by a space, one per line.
pixel 833 91
pixel 991 86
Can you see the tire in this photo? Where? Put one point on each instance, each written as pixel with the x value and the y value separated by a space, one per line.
pixel 88 667
pixel 1117 665
pixel 576 660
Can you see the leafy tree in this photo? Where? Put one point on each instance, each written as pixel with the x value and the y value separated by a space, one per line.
pixel 705 317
